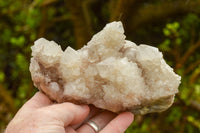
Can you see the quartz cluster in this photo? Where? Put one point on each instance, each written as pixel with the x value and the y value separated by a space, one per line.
pixel 109 72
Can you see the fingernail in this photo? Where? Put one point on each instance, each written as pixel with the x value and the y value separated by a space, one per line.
pixel 85 106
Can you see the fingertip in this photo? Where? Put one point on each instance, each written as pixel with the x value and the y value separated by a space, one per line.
pixel 119 123
pixel 38 100
pixel 79 112
pixel 85 108
pixel 39 95
pixel 128 116
pixel 42 98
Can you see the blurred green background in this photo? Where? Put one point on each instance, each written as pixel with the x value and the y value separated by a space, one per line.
pixel 171 25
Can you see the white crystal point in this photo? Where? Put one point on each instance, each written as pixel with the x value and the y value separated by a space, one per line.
pixel 109 72
pixel 115 26
pixel 48 52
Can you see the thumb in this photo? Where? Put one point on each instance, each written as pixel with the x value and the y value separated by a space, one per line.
pixel 68 113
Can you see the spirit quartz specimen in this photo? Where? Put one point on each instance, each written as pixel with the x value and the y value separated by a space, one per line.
pixel 109 72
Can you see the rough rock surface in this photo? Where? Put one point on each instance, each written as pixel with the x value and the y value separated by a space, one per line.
pixel 109 72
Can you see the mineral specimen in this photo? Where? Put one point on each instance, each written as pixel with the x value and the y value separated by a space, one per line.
pixel 109 72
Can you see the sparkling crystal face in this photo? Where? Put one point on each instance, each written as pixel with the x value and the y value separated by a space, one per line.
pixel 109 72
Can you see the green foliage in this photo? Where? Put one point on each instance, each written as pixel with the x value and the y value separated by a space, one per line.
pixel 33 18
pixel 18 42
pixel 193 121
pixel 2 77
pixel 171 31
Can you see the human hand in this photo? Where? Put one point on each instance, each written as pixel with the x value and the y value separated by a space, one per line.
pixel 40 115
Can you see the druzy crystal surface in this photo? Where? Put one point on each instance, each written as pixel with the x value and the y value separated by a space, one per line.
pixel 109 72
